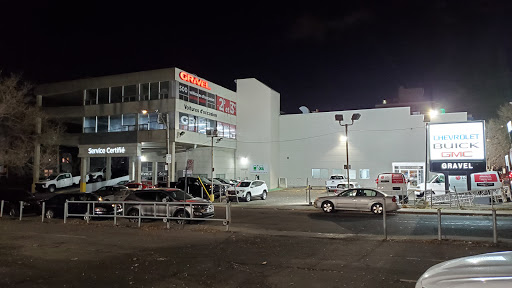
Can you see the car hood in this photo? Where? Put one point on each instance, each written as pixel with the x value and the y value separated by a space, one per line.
pixel 491 270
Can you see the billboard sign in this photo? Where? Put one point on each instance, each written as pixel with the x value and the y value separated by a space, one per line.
pixel 457 147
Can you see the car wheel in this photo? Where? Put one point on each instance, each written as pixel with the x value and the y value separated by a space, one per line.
pixel 264 195
pixel 377 208
pixel 99 179
pixel 248 197
pixel 328 207
pixel 181 214
pixel 133 213
pixel 13 212
pixel 49 214
pixel 51 188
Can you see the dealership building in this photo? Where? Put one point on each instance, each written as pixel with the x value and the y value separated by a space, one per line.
pixel 140 125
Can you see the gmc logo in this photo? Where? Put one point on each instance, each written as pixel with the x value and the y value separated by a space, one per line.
pixel 467 154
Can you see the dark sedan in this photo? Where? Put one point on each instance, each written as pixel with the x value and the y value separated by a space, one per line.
pixel 55 205
pixel 12 198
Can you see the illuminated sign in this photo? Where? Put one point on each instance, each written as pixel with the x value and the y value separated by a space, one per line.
pixel 457 141
pixel 194 80
pixel 108 150
pixel 457 147
pixel 226 105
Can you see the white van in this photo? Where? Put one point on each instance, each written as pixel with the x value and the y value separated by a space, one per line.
pixel 479 181
pixel 393 184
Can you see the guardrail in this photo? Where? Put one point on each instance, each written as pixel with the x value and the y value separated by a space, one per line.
pixel 171 211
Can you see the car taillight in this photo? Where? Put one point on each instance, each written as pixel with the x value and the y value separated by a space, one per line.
pixel 377 180
pixel 394 199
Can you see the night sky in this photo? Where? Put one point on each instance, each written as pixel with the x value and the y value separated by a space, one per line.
pixel 348 55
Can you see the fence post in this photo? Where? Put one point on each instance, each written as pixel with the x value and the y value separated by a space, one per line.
pixel 87 214
pixel 65 211
pixel 228 215
pixel 167 214
pixel 2 209
pixel 115 214
pixel 140 211
pixel 21 210
pixel 494 227
pixel 43 212
pixel 384 218
pixel 439 224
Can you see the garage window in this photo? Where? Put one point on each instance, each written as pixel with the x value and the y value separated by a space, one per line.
pixel 319 173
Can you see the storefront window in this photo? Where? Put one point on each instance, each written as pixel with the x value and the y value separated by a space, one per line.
pixel 183 121
pixel 338 172
pixel 89 124
pixel 364 173
pixel 201 125
pixel 212 102
pixel 102 124
pixel 192 123
pixel 155 123
pixel 183 91
pixel 143 122
pixel 193 95
pixel 203 98
pixel 319 173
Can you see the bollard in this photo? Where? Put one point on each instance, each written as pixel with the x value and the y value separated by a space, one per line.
pixel 439 224
pixel 140 209
pixel 21 209
pixel 87 217
pixel 384 218
pixel 65 211
pixel 2 208
pixel 43 212
pixel 494 227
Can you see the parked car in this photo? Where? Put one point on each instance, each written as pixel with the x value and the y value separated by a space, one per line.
pixel 362 199
pixel 55 205
pixel 112 193
pixel 226 182
pixel 247 189
pixel 196 189
pixel 137 186
pixel 483 270
pixel 124 182
pixel 96 175
pixel 337 181
pixel 167 195
pixel 12 198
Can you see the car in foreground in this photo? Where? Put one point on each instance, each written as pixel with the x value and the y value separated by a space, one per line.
pixel 55 205
pixel 112 193
pixel 12 198
pixel 359 199
pixel 203 208
pixel 247 189
pixel 484 270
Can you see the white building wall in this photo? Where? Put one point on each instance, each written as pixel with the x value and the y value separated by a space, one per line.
pixel 379 138
pixel 258 119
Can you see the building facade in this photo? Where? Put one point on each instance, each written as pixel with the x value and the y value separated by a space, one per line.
pixel 129 123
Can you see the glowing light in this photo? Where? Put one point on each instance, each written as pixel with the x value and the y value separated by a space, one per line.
pixel 343 138
pixel 244 160
pixel 143 158
pixel 433 113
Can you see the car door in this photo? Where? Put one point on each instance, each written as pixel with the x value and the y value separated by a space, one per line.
pixel 150 196
pixel 346 200
pixel 364 199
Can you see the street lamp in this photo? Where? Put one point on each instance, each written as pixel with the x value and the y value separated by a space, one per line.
pixel 165 121
pixel 339 118
pixel 213 133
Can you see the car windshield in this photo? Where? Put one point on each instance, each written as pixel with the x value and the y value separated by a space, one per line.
pixel 244 184
pixel 180 194
pixel 51 177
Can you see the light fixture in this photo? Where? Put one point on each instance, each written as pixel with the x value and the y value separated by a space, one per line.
pixel 433 113
pixel 244 160
pixel 143 158
pixel 144 112
pixel 343 138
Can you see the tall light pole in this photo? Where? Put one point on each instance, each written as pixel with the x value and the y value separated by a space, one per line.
pixel 213 133
pixel 339 118
pixel 166 122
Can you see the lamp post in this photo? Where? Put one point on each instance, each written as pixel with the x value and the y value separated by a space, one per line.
pixel 168 148
pixel 213 133
pixel 339 118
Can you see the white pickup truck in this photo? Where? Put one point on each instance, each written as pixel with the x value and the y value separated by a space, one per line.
pixel 338 181
pixel 57 181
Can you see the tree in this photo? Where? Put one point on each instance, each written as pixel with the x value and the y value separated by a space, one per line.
pixel 18 133
pixel 498 140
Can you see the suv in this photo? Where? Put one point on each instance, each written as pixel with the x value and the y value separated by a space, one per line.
pixel 112 193
pixel 167 195
pixel 247 189
pixel 194 187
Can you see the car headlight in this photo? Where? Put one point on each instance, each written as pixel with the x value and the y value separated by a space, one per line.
pixel 100 199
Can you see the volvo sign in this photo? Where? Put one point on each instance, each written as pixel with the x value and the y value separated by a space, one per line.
pixel 457 147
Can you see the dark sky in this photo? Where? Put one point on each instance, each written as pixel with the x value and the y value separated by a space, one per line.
pixel 344 55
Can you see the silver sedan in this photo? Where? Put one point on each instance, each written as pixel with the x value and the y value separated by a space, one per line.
pixel 360 199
